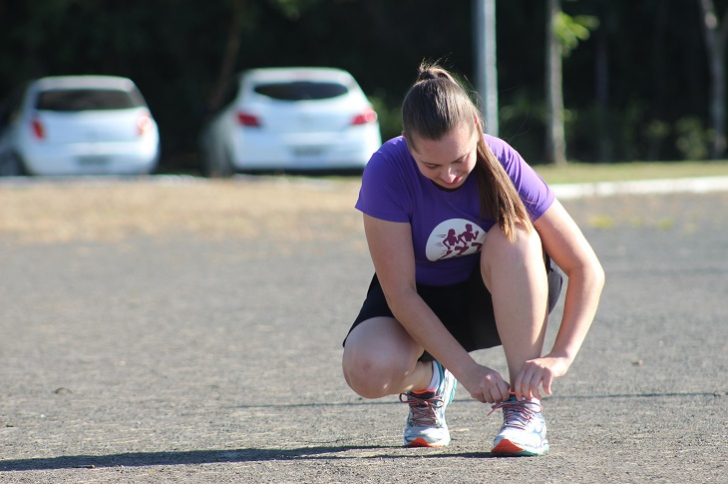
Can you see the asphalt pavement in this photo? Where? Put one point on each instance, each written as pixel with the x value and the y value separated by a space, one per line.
pixel 183 359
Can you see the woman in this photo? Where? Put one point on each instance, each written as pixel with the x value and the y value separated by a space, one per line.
pixel 459 228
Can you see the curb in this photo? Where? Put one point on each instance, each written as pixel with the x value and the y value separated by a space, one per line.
pixel 563 191
pixel 643 187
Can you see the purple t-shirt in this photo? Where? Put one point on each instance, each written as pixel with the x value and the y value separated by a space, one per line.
pixel 447 230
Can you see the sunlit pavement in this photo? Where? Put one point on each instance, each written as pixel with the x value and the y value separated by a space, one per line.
pixel 157 359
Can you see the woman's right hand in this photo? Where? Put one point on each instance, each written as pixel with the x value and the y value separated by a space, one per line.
pixel 486 385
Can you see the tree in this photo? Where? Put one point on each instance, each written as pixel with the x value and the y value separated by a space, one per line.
pixel 563 34
pixel 291 9
pixel 232 47
pixel 644 87
pixel 555 139
pixel 715 34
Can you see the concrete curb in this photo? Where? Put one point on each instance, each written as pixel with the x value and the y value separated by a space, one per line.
pixel 563 191
pixel 605 189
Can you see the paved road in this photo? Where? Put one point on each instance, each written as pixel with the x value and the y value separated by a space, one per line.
pixel 190 360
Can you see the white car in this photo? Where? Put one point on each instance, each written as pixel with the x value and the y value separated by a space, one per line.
pixel 294 118
pixel 77 125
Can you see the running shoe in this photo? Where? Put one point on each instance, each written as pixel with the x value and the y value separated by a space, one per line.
pixel 524 429
pixel 426 426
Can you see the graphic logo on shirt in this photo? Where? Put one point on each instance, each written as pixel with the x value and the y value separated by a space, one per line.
pixel 453 238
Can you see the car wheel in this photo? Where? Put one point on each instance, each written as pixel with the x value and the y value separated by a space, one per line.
pixel 12 165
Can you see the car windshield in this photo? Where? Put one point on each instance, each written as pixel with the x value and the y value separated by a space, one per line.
pixel 88 100
pixel 301 90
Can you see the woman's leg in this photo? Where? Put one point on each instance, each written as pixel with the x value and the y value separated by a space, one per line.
pixel 514 274
pixel 380 358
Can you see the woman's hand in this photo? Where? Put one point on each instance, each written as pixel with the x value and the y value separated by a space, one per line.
pixel 486 385
pixel 539 372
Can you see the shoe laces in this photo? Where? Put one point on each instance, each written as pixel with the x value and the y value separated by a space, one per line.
pixel 423 410
pixel 518 413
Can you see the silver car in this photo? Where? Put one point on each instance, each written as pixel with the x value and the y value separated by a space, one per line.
pixel 76 125
pixel 291 119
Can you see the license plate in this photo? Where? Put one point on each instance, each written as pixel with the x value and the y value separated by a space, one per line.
pixel 93 160
pixel 308 151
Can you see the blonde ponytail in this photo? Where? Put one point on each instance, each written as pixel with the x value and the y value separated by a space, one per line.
pixel 435 104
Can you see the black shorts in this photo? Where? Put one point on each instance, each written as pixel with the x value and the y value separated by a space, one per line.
pixel 465 308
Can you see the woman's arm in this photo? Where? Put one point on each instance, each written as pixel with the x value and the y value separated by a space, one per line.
pixel 568 248
pixel 390 245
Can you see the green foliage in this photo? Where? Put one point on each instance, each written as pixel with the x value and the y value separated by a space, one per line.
pixel 389 114
pixel 293 9
pixel 692 138
pixel 655 85
pixel 599 134
pixel 570 31
pixel 657 130
pixel 522 117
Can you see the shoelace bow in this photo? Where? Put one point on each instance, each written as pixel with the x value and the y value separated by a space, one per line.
pixel 517 413
pixel 423 409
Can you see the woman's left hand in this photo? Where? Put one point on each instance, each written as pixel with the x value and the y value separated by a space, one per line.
pixel 539 372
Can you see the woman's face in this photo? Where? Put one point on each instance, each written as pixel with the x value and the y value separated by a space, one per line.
pixel 449 160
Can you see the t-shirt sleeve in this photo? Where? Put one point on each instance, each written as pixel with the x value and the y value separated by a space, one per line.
pixel 384 193
pixel 535 193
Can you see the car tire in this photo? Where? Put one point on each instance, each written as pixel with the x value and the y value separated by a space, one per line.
pixel 12 165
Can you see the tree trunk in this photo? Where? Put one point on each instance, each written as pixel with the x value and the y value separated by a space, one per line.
pixel 555 139
pixel 601 89
pixel 659 75
pixel 715 34
pixel 231 53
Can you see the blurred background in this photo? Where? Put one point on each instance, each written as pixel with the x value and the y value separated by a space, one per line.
pixel 641 80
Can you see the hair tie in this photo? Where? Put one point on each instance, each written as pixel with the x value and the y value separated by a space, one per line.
pixel 427 75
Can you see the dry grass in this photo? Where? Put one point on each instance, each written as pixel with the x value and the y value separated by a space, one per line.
pixel 278 209
pixel 299 210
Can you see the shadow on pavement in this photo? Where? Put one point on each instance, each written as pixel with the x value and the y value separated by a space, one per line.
pixel 192 457
pixel 140 459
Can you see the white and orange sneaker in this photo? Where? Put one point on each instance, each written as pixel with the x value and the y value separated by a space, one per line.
pixel 524 429
pixel 426 425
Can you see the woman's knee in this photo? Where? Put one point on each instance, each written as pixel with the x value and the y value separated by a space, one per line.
pixel 373 374
pixel 524 240
pixel 500 251
pixel 379 354
pixel 361 372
